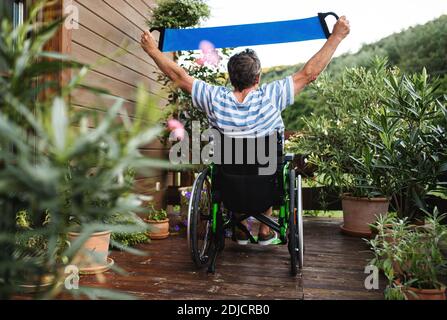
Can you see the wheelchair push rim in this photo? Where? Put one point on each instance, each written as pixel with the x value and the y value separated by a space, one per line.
pixel 296 242
pixel 292 240
pixel 299 220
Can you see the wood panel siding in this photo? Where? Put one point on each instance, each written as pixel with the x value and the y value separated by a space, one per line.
pixel 108 40
pixel 61 42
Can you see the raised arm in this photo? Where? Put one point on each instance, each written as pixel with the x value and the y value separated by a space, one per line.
pixel 320 61
pixel 171 69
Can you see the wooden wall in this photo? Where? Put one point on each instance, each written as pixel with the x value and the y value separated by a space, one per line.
pixel 108 39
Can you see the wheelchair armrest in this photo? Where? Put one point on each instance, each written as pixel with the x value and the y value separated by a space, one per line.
pixel 289 157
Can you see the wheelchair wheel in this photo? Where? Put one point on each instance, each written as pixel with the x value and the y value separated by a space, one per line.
pixel 200 220
pixel 293 243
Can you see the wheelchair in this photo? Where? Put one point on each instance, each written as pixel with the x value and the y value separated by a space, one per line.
pixel 223 196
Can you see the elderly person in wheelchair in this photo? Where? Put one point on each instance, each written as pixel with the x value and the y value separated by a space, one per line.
pixel 249 112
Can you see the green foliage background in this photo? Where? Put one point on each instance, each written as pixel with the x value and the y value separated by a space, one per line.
pixel 410 50
pixel 178 13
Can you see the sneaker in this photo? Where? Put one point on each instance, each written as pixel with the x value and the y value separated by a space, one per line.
pixel 268 239
pixel 242 238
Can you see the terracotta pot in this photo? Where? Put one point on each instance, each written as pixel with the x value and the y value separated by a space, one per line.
pixel 424 294
pixel 359 213
pixel 35 284
pixel 98 243
pixel 158 229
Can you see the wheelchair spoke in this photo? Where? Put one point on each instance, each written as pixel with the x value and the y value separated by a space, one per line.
pixel 205 243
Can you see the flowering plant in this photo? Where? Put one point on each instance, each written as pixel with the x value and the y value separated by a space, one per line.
pixel 207 65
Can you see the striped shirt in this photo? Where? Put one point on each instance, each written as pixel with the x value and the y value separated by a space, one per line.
pixel 258 116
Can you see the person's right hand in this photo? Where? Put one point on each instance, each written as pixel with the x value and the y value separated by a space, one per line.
pixel 148 42
pixel 341 28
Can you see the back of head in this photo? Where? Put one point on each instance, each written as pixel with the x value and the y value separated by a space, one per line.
pixel 244 69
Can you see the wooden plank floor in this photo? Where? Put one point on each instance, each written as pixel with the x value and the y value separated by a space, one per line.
pixel 334 263
pixel 333 270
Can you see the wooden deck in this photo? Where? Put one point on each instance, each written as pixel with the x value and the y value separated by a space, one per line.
pixel 334 266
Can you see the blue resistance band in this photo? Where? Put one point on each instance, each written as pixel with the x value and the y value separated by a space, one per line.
pixel 246 34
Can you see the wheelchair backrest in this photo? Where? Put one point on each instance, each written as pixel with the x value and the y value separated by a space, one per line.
pixel 252 154
pixel 249 178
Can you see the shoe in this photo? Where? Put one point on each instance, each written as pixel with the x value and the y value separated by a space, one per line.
pixel 242 238
pixel 268 239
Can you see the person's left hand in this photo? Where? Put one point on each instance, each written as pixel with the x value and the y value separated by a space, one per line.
pixel 148 42
pixel 342 28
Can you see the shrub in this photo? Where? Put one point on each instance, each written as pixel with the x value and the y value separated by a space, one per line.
pixel 54 166
pixel 410 256
pixel 335 141
pixel 383 135
pixel 178 13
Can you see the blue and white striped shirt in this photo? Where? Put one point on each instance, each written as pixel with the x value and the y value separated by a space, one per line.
pixel 258 116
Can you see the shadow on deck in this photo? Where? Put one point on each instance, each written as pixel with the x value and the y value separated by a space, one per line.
pixel 334 269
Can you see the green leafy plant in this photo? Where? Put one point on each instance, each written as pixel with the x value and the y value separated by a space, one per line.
pixel 154 214
pixel 394 292
pixel 178 13
pixel 25 63
pixel 180 105
pixel 411 141
pixel 36 243
pixel 58 166
pixel 127 239
pixel 384 135
pixel 336 141
pixel 410 256
pixel 184 14
pixel 410 50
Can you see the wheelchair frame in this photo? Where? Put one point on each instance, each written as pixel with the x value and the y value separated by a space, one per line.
pixel 289 225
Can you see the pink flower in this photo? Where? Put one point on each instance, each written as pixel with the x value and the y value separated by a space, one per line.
pixel 177 128
pixel 209 54
pixel 206 47
pixel 200 61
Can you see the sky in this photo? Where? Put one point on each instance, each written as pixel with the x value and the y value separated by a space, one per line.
pixel 370 21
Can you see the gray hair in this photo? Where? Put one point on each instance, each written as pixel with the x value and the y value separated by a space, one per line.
pixel 244 68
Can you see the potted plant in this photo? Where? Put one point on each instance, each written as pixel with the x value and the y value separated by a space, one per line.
pixel 93 256
pixel 57 165
pixel 359 212
pixel 388 233
pixel 412 262
pixel 31 243
pixel 383 143
pixel 410 134
pixel 158 223
pixel 337 144
pixel 128 239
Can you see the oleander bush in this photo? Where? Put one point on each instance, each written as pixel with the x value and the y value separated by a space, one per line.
pixel 383 135
pixel 60 170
